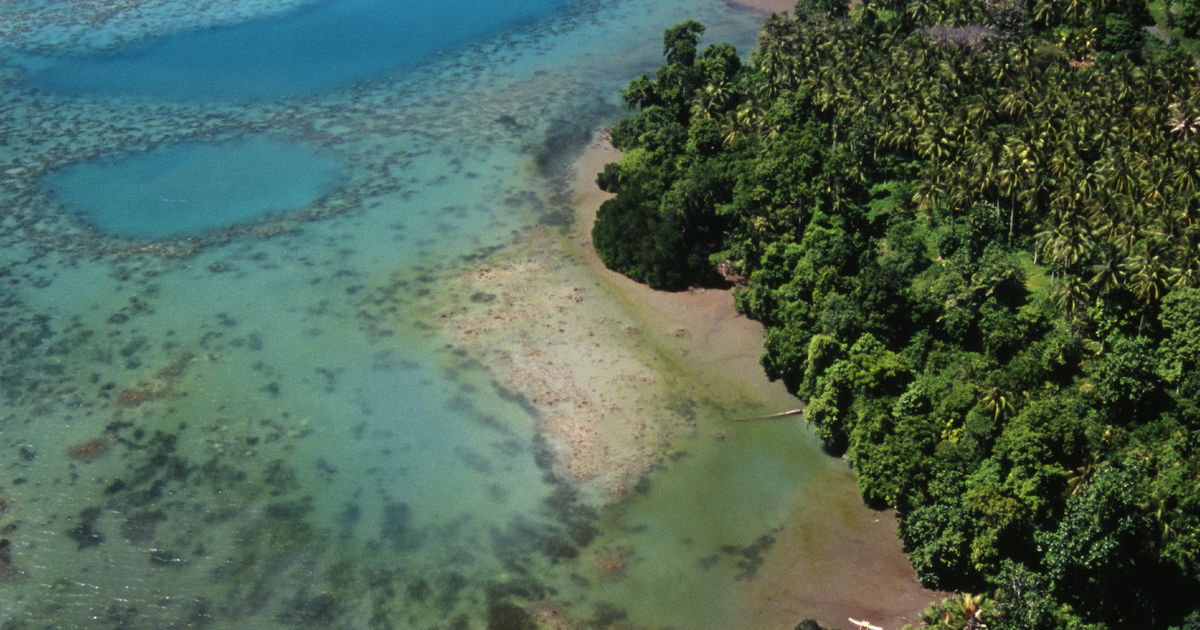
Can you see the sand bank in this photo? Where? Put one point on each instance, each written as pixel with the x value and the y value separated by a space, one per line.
pixel 533 321
pixel 835 558
pixel 612 369
pixel 766 6
pixel 703 332
pixel 610 366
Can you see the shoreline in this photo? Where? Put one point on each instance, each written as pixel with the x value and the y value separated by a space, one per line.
pixel 836 558
pixel 699 324
pixel 765 6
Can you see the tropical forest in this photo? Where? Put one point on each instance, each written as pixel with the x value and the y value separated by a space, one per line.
pixel 971 229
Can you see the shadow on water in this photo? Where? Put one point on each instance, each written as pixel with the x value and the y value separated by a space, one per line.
pixel 566 137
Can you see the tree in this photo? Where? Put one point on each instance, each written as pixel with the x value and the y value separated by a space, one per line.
pixel 978 268
pixel 961 612
pixel 1180 350
pixel 680 43
pixel 1123 379
pixel 1097 553
pixel 937 540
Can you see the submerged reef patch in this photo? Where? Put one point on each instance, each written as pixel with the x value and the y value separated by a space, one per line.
pixel 189 189
pixel 85 533
pixel 89 451
pixel 8 570
pixel 506 616
pixel 397 528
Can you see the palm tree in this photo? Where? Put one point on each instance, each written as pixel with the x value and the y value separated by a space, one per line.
pixel 1148 273
pixel 1149 276
pixel 962 612
pixel 711 100
pixel 1067 239
pixel 1078 479
pixel 1183 124
pixel 921 11
pixel 1160 512
pixel 1108 273
pixel 997 402
pixel 1071 296
pixel 747 119
pixel 930 190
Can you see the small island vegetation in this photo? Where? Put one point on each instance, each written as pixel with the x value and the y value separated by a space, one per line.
pixel 972 231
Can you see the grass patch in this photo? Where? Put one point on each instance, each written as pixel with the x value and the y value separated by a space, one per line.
pixel 1037 281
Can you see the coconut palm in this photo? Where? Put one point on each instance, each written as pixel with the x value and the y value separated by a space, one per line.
pixel 1149 275
pixel 1067 239
pixel 997 402
pixel 961 612
pixel 1107 274
pixel 1079 477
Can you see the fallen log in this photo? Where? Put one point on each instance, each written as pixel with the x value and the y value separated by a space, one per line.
pixel 794 412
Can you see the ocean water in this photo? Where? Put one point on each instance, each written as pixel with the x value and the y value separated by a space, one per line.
pixel 317 47
pixel 192 189
pixel 231 391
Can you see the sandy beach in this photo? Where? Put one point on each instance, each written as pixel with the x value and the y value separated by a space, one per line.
pixel 606 363
pixel 596 353
pixel 766 6
pixel 837 558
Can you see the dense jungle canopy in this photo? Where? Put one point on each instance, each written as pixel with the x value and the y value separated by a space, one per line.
pixel 972 231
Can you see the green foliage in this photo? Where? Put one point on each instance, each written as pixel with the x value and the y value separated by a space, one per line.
pixel 1122 379
pixel 680 42
pixel 974 254
pixel 937 538
pixel 1098 548
pixel 1025 601
pixel 1179 352
pixel 1188 18
pixel 1119 33
pixel 962 611
pixel 1191 623
pixel 647 246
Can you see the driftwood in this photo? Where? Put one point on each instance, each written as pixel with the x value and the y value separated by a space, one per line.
pixel 794 412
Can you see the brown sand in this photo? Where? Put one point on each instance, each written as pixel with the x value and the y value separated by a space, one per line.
pixel 601 398
pixel 600 358
pixel 837 558
pixel 766 6
pixel 701 327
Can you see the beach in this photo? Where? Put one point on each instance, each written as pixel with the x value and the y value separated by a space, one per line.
pixel 836 558
pixel 767 6
pixel 605 364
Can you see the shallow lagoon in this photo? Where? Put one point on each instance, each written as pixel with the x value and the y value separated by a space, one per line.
pixel 282 422
pixel 316 47
pixel 192 189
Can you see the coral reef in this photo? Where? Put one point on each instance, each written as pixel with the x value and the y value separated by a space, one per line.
pixel 89 451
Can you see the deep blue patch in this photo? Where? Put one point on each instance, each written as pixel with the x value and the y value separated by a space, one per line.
pixel 314 49
pixel 191 189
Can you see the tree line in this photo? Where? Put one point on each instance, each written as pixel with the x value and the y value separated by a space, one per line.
pixel 971 230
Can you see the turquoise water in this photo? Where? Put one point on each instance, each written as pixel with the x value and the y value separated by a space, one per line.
pixel 191 189
pixel 315 48
pixel 229 394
